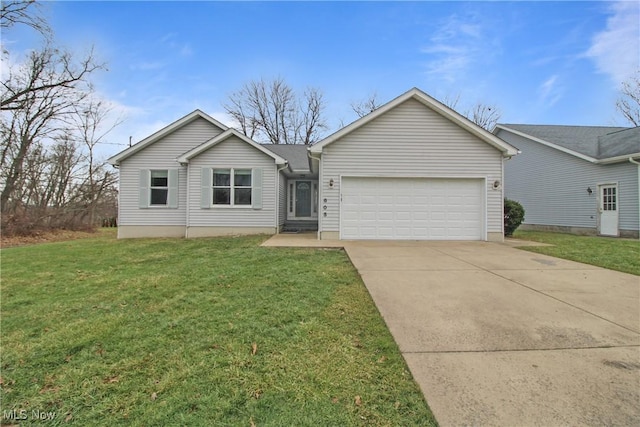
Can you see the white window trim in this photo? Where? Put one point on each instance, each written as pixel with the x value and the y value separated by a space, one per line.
pixel 232 188
pixel 151 188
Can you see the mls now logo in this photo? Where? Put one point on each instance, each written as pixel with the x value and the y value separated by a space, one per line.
pixel 23 414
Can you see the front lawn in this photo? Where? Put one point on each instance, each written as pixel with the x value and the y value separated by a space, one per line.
pixel 615 254
pixel 196 332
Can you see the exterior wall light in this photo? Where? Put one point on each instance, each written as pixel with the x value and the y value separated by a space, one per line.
pixel 589 191
pixel 331 183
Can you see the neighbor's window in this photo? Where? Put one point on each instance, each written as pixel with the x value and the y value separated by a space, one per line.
pixel 232 187
pixel 159 187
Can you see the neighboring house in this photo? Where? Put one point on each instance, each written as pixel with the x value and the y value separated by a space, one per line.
pixel 412 169
pixel 580 179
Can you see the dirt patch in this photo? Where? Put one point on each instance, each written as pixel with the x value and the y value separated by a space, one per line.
pixel 44 237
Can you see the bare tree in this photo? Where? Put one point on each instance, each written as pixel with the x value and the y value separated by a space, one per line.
pixel 628 104
pixel 90 122
pixel 37 110
pixel 50 124
pixel 23 12
pixel 452 101
pixel 366 106
pixel 484 115
pixel 44 70
pixel 312 117
pixel 271 111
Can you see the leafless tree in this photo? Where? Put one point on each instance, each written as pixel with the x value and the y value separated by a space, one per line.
pixel 452 101
pixel 271 111
pixel 484 115
pixel 35 114
pixel 50 124
pixel 92 126
pixel 44 70
pixel 366 106
pixel 628 104
pixel 23 12
pixel 312 117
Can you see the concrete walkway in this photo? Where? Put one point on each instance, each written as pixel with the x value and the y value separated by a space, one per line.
pixel 499 336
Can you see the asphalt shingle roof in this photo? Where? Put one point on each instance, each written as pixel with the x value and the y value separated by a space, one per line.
pixel 295 154
pixel 599 142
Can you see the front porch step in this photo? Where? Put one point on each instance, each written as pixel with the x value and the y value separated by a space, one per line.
pixel 299 226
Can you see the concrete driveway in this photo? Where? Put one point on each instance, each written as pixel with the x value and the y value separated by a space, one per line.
pixel 499 336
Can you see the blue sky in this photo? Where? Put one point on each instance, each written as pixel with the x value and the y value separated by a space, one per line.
pixel 539 62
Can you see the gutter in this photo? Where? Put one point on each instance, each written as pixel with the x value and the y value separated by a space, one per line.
pixel 278 170
pixel 320 187
pixel 635 162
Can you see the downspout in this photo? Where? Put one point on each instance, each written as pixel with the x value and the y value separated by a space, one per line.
pixel 635 162
pixel 320 190
pixel 187 221
pixel 278 170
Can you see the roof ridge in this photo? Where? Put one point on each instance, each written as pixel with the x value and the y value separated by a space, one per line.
pixel 620 128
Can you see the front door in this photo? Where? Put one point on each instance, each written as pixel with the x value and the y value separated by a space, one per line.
pixel 608 210
pixel 303 199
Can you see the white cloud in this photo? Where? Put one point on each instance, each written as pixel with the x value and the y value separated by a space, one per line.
pixel 456 45
pixel 549 91
pixel 224 118
pixel 616 50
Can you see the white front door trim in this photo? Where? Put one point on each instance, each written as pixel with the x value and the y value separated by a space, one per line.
pixel 291 199
pixel 608 208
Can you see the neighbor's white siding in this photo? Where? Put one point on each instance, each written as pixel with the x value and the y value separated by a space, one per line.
pixel 160 155
pixel 552 186
pixel 232 153
pixel 410 140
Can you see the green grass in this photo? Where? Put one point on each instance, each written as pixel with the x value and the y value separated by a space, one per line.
pixel 615 254
pixel 161 332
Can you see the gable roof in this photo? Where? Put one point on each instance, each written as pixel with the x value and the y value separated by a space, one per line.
pixel 223 137
pixel 596 144
pixel 420 96
pixel 620 143
pixel 196 114
pixel 296 155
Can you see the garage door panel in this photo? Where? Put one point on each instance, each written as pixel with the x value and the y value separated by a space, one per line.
pixel 368 216
pixel 420 216
pixel 403 216
pixel 412 208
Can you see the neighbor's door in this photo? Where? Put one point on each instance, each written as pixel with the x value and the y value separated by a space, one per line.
pixel 608 210
pixel 303 199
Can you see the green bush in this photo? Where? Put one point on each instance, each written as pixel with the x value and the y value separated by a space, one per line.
pixel 513 216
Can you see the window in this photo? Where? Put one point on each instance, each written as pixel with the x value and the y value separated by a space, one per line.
pixel 232 187
pixel 609 198
pixel 221 187
pixel 159 187
pixel 242 187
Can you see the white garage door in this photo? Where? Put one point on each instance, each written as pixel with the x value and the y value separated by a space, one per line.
pixel 412 209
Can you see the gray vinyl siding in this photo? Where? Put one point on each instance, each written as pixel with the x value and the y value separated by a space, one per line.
pixel 282 203
pixel 232 153
pixel 410 140
pixel 160 155
pixel 552 186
